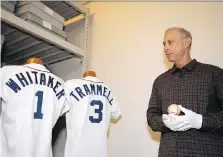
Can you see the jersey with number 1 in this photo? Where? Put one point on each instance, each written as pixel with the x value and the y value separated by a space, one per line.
pixel 33 99
pixel 92 104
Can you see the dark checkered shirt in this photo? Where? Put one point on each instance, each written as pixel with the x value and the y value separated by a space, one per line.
pixel 198 87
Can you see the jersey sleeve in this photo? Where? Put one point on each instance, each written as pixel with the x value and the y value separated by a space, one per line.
pixel 1 89
pixel 66 89
pixel 115 110
pixel 65 107
pixel 61 103
pixel 1 83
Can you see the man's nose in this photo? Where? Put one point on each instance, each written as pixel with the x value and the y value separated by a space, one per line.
pixel 166 48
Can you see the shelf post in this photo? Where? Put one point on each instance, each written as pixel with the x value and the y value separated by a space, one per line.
pixel 86 29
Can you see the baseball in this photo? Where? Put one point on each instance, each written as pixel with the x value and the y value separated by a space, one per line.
pixel 173 109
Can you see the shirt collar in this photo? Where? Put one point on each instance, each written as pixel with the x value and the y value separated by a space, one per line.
pixel 90 78
pixel 189 66
pixel 37 67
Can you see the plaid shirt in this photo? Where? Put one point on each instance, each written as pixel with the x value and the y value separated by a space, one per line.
pixel 198 87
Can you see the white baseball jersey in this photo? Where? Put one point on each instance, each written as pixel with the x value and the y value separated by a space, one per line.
pixel 92 104
pixel 33 99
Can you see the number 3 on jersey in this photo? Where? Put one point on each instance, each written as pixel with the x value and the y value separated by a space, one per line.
pixel 96 110
pixel 38 114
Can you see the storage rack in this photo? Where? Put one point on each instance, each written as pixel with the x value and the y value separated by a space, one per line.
pixel 33 41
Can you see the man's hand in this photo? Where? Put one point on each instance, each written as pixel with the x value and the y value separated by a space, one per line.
pixel 173 123
pixel 194 118
pixel 190 120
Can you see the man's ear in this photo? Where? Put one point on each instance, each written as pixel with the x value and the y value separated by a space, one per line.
pixel 187 42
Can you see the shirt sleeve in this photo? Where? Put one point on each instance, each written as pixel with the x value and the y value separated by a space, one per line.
pixel 66 106
pixel 1 83
pixel 1 89
pixel 154 111
pixel 213 121
pixel 115 109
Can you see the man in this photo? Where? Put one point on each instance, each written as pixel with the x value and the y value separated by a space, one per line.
pixel 198 90
pixel 93 104
pixel 33 99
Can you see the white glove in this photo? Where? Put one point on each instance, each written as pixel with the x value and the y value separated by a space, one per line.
pixel 173 123
pixel 194 119
pixel 190 119
pixel 184 125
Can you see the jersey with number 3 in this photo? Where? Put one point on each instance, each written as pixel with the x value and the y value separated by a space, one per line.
pixel 92 104
pixel 33 99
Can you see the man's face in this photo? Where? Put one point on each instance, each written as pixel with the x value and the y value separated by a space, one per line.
pixel 173 46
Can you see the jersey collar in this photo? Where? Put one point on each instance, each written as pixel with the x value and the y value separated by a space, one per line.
pixel 90 78
pixel 37 67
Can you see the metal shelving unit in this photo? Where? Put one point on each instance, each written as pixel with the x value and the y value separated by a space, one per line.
pixel 69 9
pixel 33 41
pixel 65 9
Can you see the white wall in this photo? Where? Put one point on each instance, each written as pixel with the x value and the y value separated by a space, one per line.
pixel 127 53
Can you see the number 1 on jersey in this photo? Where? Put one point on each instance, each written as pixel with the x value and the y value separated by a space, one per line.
pixel 38 114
